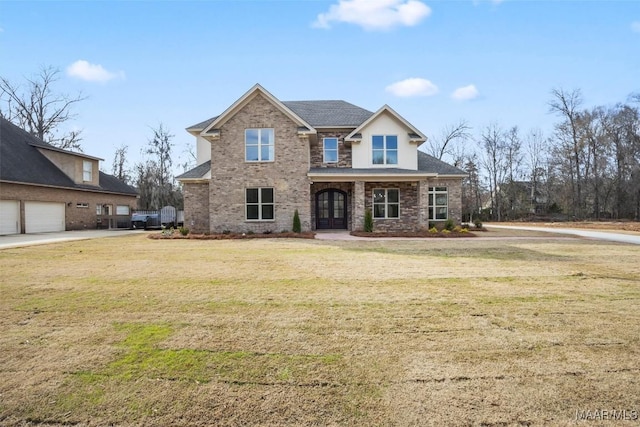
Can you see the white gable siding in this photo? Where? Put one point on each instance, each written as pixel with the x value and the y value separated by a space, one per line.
pixel 203 150
pixel 385 124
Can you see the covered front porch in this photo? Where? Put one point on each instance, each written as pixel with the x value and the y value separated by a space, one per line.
pixel 398 202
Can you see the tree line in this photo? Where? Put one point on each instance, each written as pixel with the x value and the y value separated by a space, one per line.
pixel 588 167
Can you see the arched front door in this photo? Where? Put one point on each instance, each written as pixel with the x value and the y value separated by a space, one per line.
pixel 331 209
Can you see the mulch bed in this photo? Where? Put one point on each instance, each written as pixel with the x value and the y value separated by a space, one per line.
pixel 425 234
pixel 231 236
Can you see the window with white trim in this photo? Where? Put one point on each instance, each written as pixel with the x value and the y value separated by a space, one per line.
pixel 438 203
pixel 386 203
pixel 259 204
pixel 258 144
pixel 98 209
pixel 82 205
pixel 330 150
pixel 87 171
pixel 385 149
pixel 122 210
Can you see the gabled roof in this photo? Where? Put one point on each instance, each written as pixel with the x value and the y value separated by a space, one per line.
pixel 329 113
pixel 245 99
pixel 429 163
pixel 21 162
pixel 196 173
pixel 414 133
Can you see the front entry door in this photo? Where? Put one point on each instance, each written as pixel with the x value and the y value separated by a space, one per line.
pixel 331 209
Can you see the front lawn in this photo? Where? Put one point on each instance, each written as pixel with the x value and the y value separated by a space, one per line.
pixel 133 331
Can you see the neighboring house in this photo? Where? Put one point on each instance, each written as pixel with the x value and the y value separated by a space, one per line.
pixel 44 188
pixel 262 159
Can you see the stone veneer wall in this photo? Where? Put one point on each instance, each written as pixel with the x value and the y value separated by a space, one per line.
pixel 231 174
pixel 344 151
pixel 320 186
pixel 454 189
pixel 196 206
pixel 409 212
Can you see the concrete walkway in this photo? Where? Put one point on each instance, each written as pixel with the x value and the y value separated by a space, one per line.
pixel 20 240
pixel 612 236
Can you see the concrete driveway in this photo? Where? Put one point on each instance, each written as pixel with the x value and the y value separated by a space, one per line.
pixel 612 236
pixel 19 240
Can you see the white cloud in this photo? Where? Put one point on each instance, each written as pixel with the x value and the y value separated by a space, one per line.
pixel 635 26
pixel 465 93
pixel 374 14
pixel 412 87
pixel 92 72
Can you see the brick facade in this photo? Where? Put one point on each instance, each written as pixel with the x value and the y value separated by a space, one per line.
pixel 231 174
pixel 76 218
pixel 196 206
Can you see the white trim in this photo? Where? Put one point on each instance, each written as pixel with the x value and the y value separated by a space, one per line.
pixel 260 204
pixel 248 97
pixel 386 203
pixel 260 145
pixel 337 150
pixel 391 111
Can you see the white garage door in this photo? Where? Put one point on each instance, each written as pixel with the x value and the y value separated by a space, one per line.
pixel 41 217
pixel 9 217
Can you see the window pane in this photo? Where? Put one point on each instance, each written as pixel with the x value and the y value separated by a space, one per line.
pixel 252 195
pixel 251 136
pixel 331 143
pixel 441 213
pixel 252 212
pixel 378 142
pixel 441 199
pixel 330 156
pixel 378 157
pixel 266 152
pixel 252 153
pixel 378 211
pixel 267 195
pixel 430 199
pixel 393 211
pixel 393 196
pixel 392 142
pixel 441 188
pixel 392 157
pixel 267 136
pixel 378 196
pixel 267 211
pixel 122 210
pixel 431 213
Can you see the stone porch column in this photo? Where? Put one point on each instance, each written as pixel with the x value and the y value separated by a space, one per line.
pixel 358 206
pixel 423 203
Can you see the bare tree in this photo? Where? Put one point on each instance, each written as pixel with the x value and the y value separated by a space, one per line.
pixel 451 134
pixel 536 149
pixel 120 169
pixel 493 142
pixel 567 105
pixel 39 109
pixel 154 178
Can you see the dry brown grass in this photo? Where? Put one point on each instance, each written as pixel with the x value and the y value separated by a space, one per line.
pixel 132 331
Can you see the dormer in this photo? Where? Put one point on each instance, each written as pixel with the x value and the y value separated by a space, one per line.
pixel 81 168
pixel 385 140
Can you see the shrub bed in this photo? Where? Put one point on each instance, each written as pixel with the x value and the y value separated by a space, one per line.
pixel 230 236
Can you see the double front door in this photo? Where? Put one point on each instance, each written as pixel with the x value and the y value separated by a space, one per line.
pixel 331 209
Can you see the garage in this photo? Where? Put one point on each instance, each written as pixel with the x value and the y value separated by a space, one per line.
pixel 9 217
pixel 42 217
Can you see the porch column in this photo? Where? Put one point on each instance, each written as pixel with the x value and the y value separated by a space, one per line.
pixel 423 203
pixel 358 206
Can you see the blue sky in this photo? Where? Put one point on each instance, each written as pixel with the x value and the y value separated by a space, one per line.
pixel 435 62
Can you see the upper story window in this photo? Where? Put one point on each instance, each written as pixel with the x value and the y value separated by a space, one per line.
pixel 438 203
pixel 330 150
pixel 87 171
pixel 385 149
pixel 386 203
pixel 258 145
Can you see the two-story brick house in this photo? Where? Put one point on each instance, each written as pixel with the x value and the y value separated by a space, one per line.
pixel 262 159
